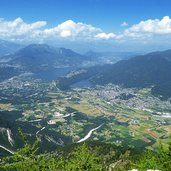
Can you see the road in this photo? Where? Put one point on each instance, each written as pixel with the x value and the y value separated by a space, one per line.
pixel 40 130
pixel 6 149
pixel 11 141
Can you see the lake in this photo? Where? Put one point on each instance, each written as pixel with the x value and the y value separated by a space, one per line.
pixel 53 73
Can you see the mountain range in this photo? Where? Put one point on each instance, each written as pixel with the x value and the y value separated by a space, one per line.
pixel 41 56
pixel 151 70
pixel 110 57
pixel 7 47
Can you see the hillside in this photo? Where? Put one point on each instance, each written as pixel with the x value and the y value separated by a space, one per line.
pixel 91 156
pixel 150 70
pixel 7 47
pixel 8 72
pixel 42 56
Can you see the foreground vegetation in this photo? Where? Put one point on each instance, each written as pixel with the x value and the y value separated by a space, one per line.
pixel 90 156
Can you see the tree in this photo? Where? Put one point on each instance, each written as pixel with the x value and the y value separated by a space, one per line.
pixel 161 159
pixel 82 159
pixel 27 159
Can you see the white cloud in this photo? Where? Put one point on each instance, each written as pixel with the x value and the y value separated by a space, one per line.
pixel 65 33
pixel 72 30
pixel 124 24
pixel 105 36
pixel 156 26
pixel 18 29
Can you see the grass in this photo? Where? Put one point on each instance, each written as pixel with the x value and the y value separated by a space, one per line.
pixel 86 108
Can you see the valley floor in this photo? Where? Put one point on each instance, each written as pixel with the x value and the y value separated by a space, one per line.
pixel 131 117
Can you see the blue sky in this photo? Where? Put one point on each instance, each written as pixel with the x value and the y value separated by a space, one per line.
pixel 107 15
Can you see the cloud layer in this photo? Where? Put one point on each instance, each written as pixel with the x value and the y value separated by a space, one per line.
pixel 73 31
pixel 20 31
pixel 156 26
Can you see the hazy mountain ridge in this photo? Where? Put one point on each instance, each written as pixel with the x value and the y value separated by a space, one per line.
pixel 110 57
pixel 150 70
pixel 7 47
pixel 41 56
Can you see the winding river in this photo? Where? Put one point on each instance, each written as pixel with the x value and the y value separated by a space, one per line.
pixel 89 134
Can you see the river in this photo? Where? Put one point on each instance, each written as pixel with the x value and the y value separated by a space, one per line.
pixel 89 134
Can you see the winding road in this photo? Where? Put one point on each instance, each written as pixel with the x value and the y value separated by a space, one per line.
pixel 6 149
pixel 11 141
pixel 40 130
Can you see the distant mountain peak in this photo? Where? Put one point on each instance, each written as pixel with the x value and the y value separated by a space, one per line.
pixel 37 48
pixel 42 56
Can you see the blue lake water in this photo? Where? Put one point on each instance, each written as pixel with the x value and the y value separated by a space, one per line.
pixel 82 84
pixel 52 74
pixel 55 73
